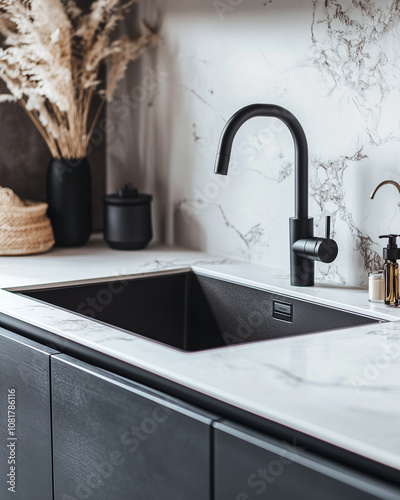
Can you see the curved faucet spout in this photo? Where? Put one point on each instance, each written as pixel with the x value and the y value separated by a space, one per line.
pixel 304 247
pixel 394 183
pixel 300 144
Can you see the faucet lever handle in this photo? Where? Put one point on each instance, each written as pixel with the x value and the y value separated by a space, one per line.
pixel 314 248
pixel 328 227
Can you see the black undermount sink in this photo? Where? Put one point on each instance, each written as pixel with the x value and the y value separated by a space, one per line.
pixel 192 312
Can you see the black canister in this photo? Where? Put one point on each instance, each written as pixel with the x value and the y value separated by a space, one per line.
pixel 127 219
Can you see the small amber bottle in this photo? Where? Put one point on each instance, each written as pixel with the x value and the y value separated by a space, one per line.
pixel 391 270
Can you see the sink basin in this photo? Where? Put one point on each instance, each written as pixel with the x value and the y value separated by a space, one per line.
pixel 193 312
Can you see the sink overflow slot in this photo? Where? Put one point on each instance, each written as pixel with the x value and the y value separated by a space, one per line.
pixel 282 310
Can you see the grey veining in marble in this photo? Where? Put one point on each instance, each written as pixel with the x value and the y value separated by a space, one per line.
pixel 355 46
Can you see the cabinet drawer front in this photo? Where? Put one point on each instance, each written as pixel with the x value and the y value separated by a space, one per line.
pixel 115 439
pixel 24 375
pixel 250 466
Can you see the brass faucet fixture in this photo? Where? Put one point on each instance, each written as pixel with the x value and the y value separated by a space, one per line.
pixel 382 184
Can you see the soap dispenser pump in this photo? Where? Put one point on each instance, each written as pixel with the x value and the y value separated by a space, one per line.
pixel 391 270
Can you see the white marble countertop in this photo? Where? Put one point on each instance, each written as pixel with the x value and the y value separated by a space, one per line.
pixel 340 386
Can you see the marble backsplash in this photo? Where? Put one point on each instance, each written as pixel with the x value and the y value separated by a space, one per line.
pixel 333 64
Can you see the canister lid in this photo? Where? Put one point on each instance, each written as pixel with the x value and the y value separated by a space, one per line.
pixel 128 195
pixel 391 252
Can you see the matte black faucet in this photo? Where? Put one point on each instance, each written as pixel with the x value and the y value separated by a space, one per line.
pixel 304 247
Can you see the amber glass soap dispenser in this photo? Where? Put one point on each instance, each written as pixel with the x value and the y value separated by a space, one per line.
pixel 391 270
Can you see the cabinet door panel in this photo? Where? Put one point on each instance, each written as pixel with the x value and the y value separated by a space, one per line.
pixel 115 439
pixel 25 369
pixel 251 466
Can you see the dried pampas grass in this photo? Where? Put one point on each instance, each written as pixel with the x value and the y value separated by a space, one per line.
pixel 51 62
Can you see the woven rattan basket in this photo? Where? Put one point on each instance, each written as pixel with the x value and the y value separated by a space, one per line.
pixel 24 226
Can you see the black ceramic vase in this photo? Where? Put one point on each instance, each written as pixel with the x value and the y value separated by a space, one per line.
pixel 69 196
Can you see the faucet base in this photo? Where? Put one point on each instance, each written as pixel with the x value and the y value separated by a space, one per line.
pixel 301 268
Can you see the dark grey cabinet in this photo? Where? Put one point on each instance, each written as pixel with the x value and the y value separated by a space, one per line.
pixel 25 419
pixel 118 440
pixel 72 431
pixel 248 466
